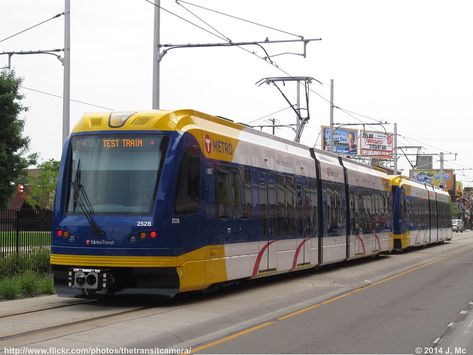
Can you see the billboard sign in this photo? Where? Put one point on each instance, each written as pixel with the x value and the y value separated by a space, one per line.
pixel 432 177
pixel 378 145
pixel 345 141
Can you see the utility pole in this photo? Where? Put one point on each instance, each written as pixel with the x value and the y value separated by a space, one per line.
pixel 331 117
pixel 395 148
pixel 441 172
pixel 66 110
pixel 273 120
pixel 156 54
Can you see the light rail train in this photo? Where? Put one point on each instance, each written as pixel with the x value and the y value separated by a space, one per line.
pixel 163 202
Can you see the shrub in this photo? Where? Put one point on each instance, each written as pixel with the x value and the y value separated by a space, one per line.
pixel 46 285
pixel 13 265
pixel 40 261
pixel 28 284
pixel 9 288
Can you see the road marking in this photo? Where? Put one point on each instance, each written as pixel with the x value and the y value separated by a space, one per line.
pixel 330 300
pixel 300 311
pixel 230 337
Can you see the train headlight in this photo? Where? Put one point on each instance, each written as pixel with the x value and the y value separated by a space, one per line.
pixel 118 119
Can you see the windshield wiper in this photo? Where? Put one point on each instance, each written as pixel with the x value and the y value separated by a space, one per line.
pixel 80 198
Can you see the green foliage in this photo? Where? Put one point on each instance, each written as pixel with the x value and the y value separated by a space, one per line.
pixel 9 288
pixel 13 265
pixel 41 261
pixel 28 284
pixel 46 285
pixel 454 209
pixel 42 187
pixel 13 146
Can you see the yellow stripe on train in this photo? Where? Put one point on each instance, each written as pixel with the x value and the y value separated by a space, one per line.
pixel 197 269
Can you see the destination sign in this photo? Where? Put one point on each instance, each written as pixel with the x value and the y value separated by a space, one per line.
pixel 112 143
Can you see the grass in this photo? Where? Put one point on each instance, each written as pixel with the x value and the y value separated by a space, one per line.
pixel 28 284
pixel 25 239
pixel 25 275
pixel 9 288
pixel 37 260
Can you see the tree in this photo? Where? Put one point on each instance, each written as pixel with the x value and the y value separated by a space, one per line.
pixel 13 146
pixel 41 188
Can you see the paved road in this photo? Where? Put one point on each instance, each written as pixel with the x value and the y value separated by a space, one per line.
pixel 395 315
pixel 390 304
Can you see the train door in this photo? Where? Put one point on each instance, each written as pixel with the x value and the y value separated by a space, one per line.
pixel 308 210
pixel 264 260
pixel 433 217
pixel 224 225
pixel 187 203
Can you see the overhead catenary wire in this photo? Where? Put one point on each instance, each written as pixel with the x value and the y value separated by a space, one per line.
pixel 226 38
pixel 203 21
pixel 31 27
pixel 238 18
pixel 61 97
pixel 186 20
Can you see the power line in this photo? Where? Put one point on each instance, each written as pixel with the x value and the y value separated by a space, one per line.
pixel 225 38
pixel 60 97
pixel 239 18
pixel 31 27
pixel 202 20
pixel 185 20
pixel 272 113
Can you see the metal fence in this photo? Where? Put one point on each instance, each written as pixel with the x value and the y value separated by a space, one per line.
pixel 25 240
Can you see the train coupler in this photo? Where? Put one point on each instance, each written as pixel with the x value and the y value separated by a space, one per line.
pixel 90 279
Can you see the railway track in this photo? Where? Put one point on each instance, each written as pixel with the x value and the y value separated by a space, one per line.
pixel 9 315
pixel 35 326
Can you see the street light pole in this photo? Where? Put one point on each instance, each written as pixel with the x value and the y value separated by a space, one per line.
pixel 395 149
pixel 156 54
pixel 67 71
pixel 331 117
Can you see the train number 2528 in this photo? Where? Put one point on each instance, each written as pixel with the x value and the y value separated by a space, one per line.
pixel 143 224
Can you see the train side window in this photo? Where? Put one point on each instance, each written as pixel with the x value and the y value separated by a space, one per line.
pixel 188 182
pixel 334 205
pixel 247 194
pixel 223 193
pixel 272 203
pixel 262 204
pixel 238 197
pixel 313 205
pixel 281 209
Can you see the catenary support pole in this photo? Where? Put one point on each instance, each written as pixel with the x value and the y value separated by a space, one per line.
pixel 66 101
pixel 331 117
pixel 156 54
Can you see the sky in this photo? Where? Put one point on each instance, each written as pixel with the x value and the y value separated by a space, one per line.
pixel 405 62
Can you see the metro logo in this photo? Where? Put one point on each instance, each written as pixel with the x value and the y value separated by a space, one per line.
pixel 208 144
pixel 217 146
pixel 223 147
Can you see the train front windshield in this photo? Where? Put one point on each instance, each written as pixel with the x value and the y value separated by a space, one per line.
pixel 117 174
